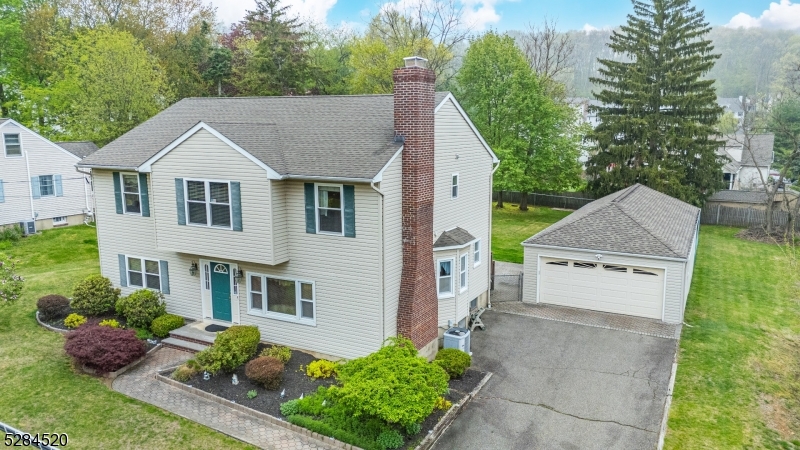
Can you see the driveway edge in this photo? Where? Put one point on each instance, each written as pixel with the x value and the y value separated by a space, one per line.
pixel 451 415
pixel 663 433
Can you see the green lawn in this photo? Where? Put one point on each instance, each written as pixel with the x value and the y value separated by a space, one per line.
pixel 738 380
pixel 510 227
pixel 39 391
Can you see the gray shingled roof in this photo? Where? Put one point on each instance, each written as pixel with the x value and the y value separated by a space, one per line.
pixel 762 149
pixel 348 136
pixel 636 220
pixel 739 196
pixel 454 238
pixel 81 149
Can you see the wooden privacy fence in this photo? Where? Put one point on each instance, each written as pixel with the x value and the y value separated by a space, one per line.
pixel 716 214
pixel 566 200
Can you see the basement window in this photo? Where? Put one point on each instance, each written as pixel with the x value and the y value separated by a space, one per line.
pixel 644 272
pixel 582 265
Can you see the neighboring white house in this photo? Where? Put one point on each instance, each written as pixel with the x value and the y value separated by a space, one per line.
pixel 330 222
pixel 631 252
pixel 748 159
pixel 39 182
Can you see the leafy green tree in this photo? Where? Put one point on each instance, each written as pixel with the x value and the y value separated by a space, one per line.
pixel 329 51
pixel 536 139
pixel 219 67
pixel 12 51
pixel 106 84
pixel 659 115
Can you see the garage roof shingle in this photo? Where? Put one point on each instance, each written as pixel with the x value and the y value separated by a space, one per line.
pixel 636 220
pixel 346 136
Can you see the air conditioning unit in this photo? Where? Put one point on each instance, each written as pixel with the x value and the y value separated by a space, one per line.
pixel 28 227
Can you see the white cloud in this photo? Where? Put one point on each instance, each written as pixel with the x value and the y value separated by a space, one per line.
pixel 232 11
pixel 784 15
pixel 588 28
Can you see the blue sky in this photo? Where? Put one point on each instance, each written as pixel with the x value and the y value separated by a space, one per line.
pixel 509 15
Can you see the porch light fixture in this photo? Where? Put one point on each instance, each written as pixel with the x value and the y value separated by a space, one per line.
pixel 238 275
pixel 193 269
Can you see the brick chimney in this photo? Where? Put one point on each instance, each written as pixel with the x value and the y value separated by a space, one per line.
pixel 417 315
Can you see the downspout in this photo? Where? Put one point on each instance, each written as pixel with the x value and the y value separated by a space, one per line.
pixel 89 207
pixel 30 187
pixel 383 265
pixel 491 184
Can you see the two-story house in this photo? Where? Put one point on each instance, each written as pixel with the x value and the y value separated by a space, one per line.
pixel 330 222
pixel 748 159
pixel 39 184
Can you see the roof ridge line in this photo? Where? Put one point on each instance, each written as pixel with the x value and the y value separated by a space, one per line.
pixel 668 247
pixel 624 195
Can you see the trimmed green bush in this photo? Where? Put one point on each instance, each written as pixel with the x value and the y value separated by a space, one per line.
pixel 74 320
pixel 94 295
pixel 162 325
pixel 290 408
pixel 390 439
pixel 413 429
pixel 183 373
pixel 266 371
pixel 393 384
pixel 453 361
pixel 52 307
pixel 327 430
pixel 12 233
pixel 281 352
pixel 141 307
pixel 142 333
pixel 111 323
pixel 232 348
pixel 321 368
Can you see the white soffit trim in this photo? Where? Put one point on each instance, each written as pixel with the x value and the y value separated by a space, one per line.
pixel 147 166
pixel 379 176
pixel 469 122
pixel 42 138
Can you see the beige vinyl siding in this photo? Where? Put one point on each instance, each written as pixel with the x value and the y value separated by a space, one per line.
pixel 43 158
pixel 472 209
pixel 204 156
pixel 135 235
pixel 347 277
pixel 280 240
pixel 392 188
pixel 673 280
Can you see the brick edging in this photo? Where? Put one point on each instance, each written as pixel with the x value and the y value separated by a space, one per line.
pixel 426 443
pixel 451 415
pixel 241 408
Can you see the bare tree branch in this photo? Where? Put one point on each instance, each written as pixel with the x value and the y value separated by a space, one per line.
pixel 550 53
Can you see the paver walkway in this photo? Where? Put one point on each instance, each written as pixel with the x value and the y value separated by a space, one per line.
pixel 141 384
pixel 639 325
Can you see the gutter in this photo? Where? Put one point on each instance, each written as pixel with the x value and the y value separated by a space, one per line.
pixel 30 187
pixel 606 252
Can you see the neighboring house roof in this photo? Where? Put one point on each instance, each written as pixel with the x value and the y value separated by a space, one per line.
pixel 739 196
pixel 348 136
pixel 731 166
pixel 636 220
pixel 731 104
pixel 457 237
pixel 762 154
pixel 81 149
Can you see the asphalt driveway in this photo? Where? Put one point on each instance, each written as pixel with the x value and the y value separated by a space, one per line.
pixel 558 385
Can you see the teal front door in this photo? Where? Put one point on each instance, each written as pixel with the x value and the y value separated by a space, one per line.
pixel 221 291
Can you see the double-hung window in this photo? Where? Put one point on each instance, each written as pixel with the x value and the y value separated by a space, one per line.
pixel 463 271
pixel 280 298
pixel 476 253
pixel 132 200
pixel 454 186
pixel 444 277
pixel 12 144
pixel 329 209
pixel 144 273
pixel 208 203
pixel 46 186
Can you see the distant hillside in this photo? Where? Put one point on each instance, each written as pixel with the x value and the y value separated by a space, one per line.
pixel 745 67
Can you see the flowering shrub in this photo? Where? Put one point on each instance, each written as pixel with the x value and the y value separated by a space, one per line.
pixel 103 349
pixel 10 283
pixel 74 320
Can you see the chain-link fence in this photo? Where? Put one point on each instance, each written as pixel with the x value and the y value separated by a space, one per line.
pixel 507 288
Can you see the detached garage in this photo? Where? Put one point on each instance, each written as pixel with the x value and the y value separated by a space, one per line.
pixel 631 252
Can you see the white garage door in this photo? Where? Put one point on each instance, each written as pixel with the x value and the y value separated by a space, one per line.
pixel 636 291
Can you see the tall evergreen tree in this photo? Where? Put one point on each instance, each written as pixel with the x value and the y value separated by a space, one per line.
pixel 659 116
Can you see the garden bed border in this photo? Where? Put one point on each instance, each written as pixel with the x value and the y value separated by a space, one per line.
pixel 48 327
pixel 426 443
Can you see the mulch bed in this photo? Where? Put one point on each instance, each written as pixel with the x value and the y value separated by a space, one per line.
pixel 759 234
pixel 296 382
pixel 59 323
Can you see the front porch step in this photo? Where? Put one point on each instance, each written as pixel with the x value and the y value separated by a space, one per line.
pixel 192 333
pixel 180 344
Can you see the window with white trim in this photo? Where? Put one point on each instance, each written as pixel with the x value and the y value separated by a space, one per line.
pixel 144 273
pixel 47 187
pixel 280 298
pixel 60 220
pixel 329 209
pixel 132 200
pixel 208 203
pixel 12 144
pixel 444 277
pixel 476 253
pixel 462 276
pixel 454 186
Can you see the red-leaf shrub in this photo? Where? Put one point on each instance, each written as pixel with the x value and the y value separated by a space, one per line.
pixel 104 349
pixel 265 370
pixel 52 306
